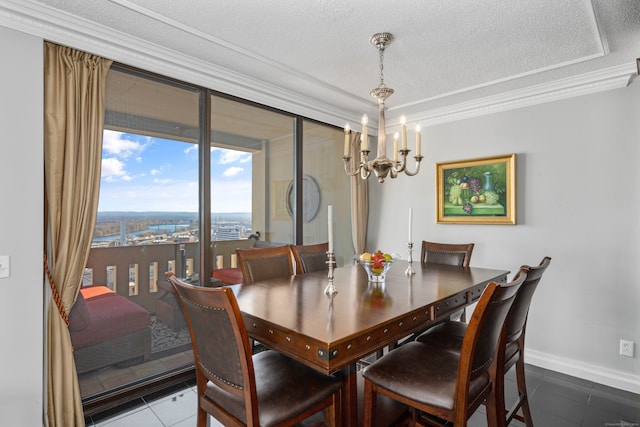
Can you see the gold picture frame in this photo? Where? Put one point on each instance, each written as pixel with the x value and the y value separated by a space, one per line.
pixel 476 191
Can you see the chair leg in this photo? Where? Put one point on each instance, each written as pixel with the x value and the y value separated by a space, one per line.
pixel 370 398
pixel 495 404
pixel 337 410
pixel 202 418
pixel 329 416
pixel 522 393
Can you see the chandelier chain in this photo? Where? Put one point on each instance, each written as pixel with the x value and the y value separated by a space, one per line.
pixel 381 67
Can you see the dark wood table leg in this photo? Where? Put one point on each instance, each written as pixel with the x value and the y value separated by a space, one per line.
pixel 350 396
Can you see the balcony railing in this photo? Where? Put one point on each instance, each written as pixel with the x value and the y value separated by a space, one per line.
pixel 134 271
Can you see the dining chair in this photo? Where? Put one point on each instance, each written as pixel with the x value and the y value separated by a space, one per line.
pixel 450 254
pixel 446 253
pixel 310 257
pixel 458 254
pixel 241 389
pixel 265 263
pixel 262 264
pixel 442 386
pixel 449 336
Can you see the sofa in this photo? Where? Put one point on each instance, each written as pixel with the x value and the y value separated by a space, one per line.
pixel 108 329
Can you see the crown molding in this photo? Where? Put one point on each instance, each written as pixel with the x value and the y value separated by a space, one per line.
pixel 321 104
pixel 584 84
pixel 57 27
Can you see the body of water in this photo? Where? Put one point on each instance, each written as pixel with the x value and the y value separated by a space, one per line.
pixel 153 229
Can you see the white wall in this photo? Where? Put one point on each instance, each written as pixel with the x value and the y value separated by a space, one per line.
pixel 21 179
pixel 577 201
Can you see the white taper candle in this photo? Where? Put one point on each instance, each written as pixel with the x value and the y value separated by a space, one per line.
pixel 410 223
pixel 365 133
pixel 347 132
pixel 330 224
pixel 403 129
pixel 395 149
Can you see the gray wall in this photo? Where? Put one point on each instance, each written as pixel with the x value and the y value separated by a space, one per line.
pixel 21 176
pixel 577 201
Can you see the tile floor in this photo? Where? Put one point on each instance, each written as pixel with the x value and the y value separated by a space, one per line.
pixel 556 400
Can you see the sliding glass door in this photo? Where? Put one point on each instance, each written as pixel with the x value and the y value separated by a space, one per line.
pixel 252 165
pixel 324 184
pixel 188 175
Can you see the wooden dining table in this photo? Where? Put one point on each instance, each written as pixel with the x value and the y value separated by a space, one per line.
pixel 332 333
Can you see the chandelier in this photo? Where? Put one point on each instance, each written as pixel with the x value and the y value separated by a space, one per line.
pixel 381 165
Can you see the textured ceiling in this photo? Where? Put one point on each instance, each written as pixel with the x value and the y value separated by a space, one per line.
pixel 446 53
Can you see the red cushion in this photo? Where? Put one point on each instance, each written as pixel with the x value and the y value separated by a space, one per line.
pixel 112 316
pixel 79 317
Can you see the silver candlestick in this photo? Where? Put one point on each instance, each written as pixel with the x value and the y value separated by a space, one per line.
pixel 331 290
pixel 410 271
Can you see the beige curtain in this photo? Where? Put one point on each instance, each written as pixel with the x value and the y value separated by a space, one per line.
pixel 359 199
pixel 74 85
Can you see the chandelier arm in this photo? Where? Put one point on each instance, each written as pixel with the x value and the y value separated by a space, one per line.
pixel 418 160
pixel 400 167
pixel 364 166
pixel 364 171
pixel 346 160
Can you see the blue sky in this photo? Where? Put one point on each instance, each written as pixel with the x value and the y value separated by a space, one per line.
pixel 142 173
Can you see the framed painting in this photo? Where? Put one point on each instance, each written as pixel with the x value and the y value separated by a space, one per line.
pixel 477 191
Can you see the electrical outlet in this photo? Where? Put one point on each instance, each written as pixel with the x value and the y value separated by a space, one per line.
pixel 626 348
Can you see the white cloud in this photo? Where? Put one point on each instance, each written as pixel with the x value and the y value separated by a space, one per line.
pixel 231 156
pixel 114 144
pixel 162 181
pixel 112 168
pixel 232 171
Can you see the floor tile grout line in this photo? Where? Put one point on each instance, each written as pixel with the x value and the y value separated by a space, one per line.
pixel 554 379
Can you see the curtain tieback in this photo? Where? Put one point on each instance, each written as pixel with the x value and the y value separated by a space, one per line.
pixel 56 294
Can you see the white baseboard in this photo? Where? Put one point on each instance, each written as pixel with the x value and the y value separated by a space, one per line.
pixel 609 377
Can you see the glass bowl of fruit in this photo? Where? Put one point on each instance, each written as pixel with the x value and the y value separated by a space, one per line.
pixel 376 264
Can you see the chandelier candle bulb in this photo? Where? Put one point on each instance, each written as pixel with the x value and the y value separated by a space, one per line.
pixel 418 141
pixel 395 149
pixel 347 132
pixel 365 134
pixel 403 121
pixel 330 224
